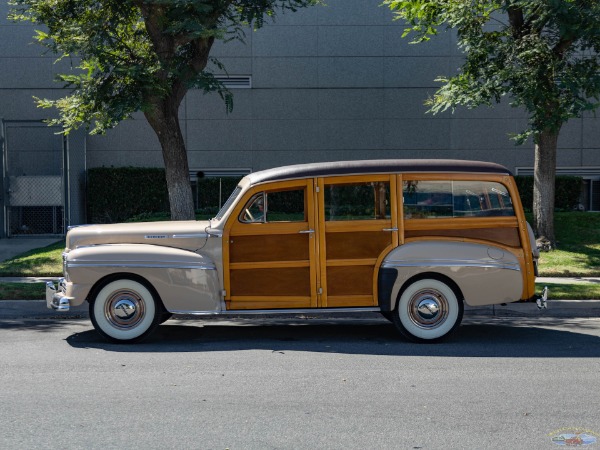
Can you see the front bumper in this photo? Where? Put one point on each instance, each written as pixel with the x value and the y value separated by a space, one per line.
pixel 56 297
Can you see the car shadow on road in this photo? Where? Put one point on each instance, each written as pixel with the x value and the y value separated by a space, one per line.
pixel 519 338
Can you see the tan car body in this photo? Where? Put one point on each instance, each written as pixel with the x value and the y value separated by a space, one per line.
pixel 210 267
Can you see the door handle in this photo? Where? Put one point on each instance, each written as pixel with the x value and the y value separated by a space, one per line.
pixel 306 231
pixel 390 229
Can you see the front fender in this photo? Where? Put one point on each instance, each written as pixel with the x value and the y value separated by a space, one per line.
pixel 184 280
pixel 485 274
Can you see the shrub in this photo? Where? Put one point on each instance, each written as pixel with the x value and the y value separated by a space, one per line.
pixel 209 190
pixel 568 191
pixel 116 194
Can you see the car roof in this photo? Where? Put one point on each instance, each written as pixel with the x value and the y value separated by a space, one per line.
pixel 337 168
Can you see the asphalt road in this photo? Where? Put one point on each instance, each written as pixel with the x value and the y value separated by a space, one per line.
pixel 500 383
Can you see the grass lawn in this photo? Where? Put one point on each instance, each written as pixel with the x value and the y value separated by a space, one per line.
pixel 22 291
pixel 578 253
pixel 40 262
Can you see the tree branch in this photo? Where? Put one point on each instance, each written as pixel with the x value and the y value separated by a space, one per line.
pixel 562 46
pixel 516 20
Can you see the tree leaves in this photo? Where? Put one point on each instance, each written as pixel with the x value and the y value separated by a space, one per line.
pixel 134 53
pixel 543 54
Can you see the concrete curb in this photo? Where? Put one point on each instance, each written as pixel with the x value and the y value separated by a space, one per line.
pixel 36 310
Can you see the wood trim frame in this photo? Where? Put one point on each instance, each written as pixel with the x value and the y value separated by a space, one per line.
pixel 370 225
pixel 233 227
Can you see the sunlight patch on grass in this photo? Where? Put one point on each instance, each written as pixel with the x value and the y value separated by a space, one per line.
pixel 572 291
pixel 41 262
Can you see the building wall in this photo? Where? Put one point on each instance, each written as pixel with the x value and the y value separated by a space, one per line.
pixel 331 82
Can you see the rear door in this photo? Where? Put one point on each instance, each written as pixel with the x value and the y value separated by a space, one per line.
pixel 357 227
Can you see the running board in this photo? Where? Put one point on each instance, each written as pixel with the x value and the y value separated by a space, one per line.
pixel 250 312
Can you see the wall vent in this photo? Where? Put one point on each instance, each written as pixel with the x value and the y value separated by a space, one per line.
pixel 218 173
pixel 235 81
pixel 589 172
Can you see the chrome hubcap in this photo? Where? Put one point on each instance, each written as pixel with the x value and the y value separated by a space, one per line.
pixel 428 308
pixel 124 309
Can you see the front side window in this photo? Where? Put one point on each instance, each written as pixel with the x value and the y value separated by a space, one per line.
pixel 275 206
pixel 446 199
pixel 357 201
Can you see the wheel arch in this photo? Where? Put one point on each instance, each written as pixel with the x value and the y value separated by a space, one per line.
pixel 425 276
pixel 390 290
pixel 98 285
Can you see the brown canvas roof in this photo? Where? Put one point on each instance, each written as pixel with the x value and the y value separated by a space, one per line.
pixel 376 166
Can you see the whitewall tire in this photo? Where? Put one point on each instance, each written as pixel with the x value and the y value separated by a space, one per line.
pixel 125 310
pixel 428 311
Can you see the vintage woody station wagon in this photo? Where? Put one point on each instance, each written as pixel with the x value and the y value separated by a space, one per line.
pixel 412 239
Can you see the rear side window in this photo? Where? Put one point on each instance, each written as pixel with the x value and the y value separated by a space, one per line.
pixel 357 201
pixel 448 199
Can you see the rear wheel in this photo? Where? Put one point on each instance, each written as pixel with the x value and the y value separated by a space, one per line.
pixel 125 310
pixel 428 310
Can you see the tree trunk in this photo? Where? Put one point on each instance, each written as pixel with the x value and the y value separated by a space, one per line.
pixel 544 184
pixel 164 121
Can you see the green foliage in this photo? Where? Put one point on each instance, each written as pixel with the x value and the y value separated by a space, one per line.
pixel 567 192
pixel 116 194
pixel 129 55
pixel 210 190
pixel 22 291
pixel 578 240
pixel 544 55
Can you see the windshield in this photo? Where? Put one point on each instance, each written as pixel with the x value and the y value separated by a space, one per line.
pixel 228 203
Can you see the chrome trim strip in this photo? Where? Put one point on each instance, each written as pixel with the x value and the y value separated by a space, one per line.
pixel 134 264
pixel 250 312
pixel 213 232
pixel 451 263
pixel 190 236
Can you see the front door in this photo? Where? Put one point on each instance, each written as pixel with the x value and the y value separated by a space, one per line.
pixel 269 250
pixel 357 226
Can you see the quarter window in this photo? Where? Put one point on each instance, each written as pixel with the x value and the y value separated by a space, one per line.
pixel 444 199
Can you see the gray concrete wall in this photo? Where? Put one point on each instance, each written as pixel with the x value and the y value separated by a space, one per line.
pixel 328 83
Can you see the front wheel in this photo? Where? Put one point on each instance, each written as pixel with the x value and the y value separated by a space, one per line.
pixel 125 310
pixel 428 311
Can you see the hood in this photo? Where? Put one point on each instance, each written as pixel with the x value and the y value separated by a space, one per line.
pixel 189 235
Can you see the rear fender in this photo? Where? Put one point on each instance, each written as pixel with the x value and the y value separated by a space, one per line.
pixel 484 274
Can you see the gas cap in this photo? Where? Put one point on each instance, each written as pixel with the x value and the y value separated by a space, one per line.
pixel 495 253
